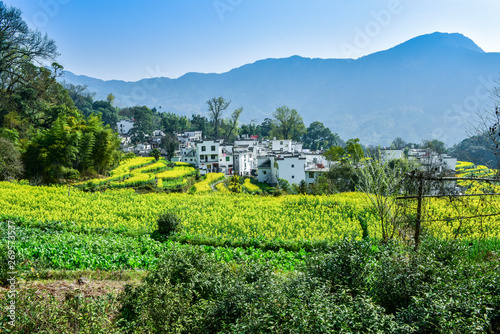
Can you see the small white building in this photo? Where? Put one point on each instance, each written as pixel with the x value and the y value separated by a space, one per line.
pixel 267 171
pixel 291 168
pixel 188 155
pixel 158 133
pixel 430 159
pixel 226 159
pixel 188 137
pixel 282 146
pixel 449 162
pixel 243 160
pixel 297 147
pixel 124 126
pixel 207 155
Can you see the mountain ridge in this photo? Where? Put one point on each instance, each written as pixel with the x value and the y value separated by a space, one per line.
pixel 409 90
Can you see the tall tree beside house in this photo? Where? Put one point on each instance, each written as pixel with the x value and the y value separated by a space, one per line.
pixel 434 145
pixel 335 153
pixel 288 124
pixel 398 142
pixel 251 129
pixel 354 150
pixel 351 153
pixel 200 123
pixel 143 123
pixel 171 123
pixel 216 108
pixel 230 126
pixel 318 136
pixel 266 128
pixel 170 144
pixel 155 153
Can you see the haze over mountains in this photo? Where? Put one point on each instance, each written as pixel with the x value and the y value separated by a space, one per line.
pixel 428 87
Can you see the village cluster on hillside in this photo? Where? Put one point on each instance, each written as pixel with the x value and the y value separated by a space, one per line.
pixel 266 159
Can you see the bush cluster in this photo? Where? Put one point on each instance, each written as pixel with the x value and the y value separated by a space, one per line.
pixel 357 287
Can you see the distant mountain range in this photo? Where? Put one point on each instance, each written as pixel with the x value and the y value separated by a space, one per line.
pixel 428 87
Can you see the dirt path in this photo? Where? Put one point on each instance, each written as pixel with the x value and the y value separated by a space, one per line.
pixel 216 183
pixel 61 288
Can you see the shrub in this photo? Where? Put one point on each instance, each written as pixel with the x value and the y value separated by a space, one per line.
pixel 191 292
pixel 346 266
pixel 4 263
pixel 76 313
pixel 168 224
pixel 234 184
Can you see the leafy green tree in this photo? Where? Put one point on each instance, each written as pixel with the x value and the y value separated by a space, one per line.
pixel 434 145
pixel 170 144
pixel 110 99
pixel 398 142
pixel 108 113
pixel 251 129
pixel 126 113
pixel 155 153
pixel 71 146
pixel 143 123
pixel 343 177
pixel 266 128
pixel 173 123
pixel 11 165
pixel 216 108
pixel 200 123
pixel 318 136
pixel 354 150
pixel 288 124
pixel 284 185
pixel 335 153
pixel 81 97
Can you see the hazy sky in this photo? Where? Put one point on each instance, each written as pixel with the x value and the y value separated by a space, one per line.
pixel 130 40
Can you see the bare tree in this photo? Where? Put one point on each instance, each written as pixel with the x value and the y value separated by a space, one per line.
pixel 380 184
pixel 216 107
pixel 20 46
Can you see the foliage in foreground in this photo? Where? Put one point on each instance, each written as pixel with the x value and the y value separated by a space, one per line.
pixel 358 287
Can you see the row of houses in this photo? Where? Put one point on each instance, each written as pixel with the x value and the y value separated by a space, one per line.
pixel 268 160
pixel 426 158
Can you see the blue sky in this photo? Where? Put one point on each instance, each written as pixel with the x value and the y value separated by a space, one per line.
pixel 130 40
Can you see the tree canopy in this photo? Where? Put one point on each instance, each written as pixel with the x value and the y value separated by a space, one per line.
pixel 48 132
pixel 320 137
pixel 216 108
pixel 288 124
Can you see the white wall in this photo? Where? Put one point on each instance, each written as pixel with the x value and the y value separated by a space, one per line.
pixel 124 126
pixel 291 169
pixel 282 145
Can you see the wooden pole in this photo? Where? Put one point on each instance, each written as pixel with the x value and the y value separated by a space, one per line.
pixel 419 210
